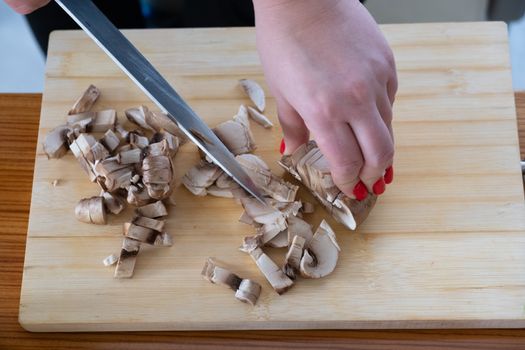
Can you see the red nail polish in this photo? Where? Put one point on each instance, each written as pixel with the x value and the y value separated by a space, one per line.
pixel 389 175
pixel 360 191
pixel 379 186
pixel 282 147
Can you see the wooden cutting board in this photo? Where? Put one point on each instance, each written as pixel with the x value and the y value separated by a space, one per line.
pixel 444 247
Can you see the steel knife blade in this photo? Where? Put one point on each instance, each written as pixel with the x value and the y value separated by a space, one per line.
pixel 143 74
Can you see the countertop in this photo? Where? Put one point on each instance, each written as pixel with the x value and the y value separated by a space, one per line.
pixel 19 116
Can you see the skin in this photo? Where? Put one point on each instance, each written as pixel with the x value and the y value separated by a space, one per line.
pixel 333 74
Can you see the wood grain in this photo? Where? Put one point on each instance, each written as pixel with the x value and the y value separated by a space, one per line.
pixel 19 115
pixel 457 203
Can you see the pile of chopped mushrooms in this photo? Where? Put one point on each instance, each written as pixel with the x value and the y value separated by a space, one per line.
pixel 136 167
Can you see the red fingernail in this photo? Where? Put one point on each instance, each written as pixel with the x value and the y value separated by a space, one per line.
pixel 360 191
pixel 389 175
pixel 379 186
pixel 282 147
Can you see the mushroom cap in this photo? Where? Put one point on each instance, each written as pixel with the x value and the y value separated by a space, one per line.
pixel 321 256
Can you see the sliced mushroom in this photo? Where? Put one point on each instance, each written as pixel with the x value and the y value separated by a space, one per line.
pixel 55 144
pixel 139 233
pixel 248 291
pixel 137 140
pixel 150 120
pixel 270 184
pixel 110 260
pixel 138 197
pixel 82 121
pixel 275 276
pixel 128 257
pixel 254 92
pixel 112 202
pixel 97 153
pixel 219 192
pixel 86 101
pixel 219 275
pixel 236 135
pixel 91 211
pixel 280 240
pixel 259 118
pixel 322 253
pixel 298 227
pixel 104 121
pixel 292 261
pixel 153 224
pixel 157 175
pixel 263 214
pixel 131 156
pixel 245 290
pixel 110 140
pixel 138 116
pixel 172 142
pixel 153 210
pixel 200 177
pixel 309 166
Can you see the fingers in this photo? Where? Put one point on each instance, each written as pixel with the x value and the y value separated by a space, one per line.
pixel 377 148
pixel 341 149
pixel 294 130
pixel 384 106
pixel 26 6
pixel 391 88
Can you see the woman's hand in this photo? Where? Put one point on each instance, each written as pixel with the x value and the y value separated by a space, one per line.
pixel 26 6
pixel 332 73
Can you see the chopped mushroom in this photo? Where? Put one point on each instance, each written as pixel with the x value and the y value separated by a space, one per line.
pixel 86 101
pixel 153 210
pixel 110 140
pixel 150 120
pixel 104 121
pixel 279 241
pixel 128 257
pixel 112 202
pixel 157 225
pixel 138 116
pixel 259 118
pixel 246 290
pixel 236 134
pixel 322 253
pixel 309 166
pixel 254 92
pixel 270 184
pixel 298 227
pixel 275 276
pixel 91 211
pixel 55 144
pixel 292 262
pixel 139 233
pixel 200 177
pixel 157 171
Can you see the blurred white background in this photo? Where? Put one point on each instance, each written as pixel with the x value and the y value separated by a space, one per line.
pixel 22 63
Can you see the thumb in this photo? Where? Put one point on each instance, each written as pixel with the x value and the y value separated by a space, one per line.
pixel 295 132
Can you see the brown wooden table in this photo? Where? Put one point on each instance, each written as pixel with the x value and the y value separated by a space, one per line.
pixel 19 114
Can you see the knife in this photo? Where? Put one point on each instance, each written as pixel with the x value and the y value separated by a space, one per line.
pixel 143 74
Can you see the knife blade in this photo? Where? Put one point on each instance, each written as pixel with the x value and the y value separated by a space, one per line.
pixel 143 74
